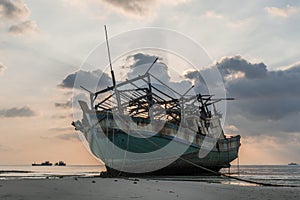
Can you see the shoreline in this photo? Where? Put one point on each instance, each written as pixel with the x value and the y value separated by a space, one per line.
pixel 77 188
pixel 223 180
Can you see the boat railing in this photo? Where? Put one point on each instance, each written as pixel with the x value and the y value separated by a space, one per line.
pixel 189 130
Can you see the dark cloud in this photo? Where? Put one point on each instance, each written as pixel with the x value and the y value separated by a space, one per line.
pixel 17 112
pixel 142 59
pixel 67 104
pixel 266 94
pixel 61 129
pixel 23 27
pixel 13 9
pixel 2 68
pixel 267 101
pixel 283 129
pixel 141 63
pixel 199 82
pixel 135 7
pixel 16 11
pixel 229 66
pixel 62 116
pixel 68 136
pixel 87 79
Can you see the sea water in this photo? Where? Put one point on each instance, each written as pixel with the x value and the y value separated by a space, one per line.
pixel 41 172
pixel 271 174
pixel 267 174
pixel 274 174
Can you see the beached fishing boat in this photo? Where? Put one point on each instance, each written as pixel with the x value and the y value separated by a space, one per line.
pixel 143 126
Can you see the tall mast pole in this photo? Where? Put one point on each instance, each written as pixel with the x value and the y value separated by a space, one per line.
pixel 109 58
pixel 113 74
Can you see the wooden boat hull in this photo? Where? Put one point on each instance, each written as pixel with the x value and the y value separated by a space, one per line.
pixel 189 163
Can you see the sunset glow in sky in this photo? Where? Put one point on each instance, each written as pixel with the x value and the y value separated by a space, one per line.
pixel 254 44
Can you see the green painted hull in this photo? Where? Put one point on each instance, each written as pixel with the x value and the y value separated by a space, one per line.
pixel 189 163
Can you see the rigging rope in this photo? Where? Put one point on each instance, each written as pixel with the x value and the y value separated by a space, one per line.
pixel 237 178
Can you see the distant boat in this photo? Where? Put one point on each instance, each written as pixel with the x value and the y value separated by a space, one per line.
pixel 60 163
pixel 46 163
pixel 292 163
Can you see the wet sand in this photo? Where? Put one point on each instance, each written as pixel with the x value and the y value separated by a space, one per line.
pixel 112 188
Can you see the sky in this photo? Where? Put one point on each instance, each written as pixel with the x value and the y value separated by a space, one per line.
pixel 254 45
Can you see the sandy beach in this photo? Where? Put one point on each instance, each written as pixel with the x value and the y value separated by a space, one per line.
pixel 112 188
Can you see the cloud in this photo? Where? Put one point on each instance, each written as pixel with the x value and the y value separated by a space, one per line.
pixel 2 68
pixel 213 14
pixel 24 27
pixel 267 101
pixel 138 64
pixel 141 59
pixel 61 129
pixel 62 116
pixel 231 129
pixel 87 79
pixel 222 18
pixel 68 136
pixel 281 12
pixel 262 93
pixel 13 9
pixel 141 62
pixel 17 15
pixel 175 2
pixel 235 65
pixel 96 80
pixel 199 82
pixel 17 112
pixel 141 8
pixel 130 8
pixel 67 104
pixel 136 7
pixel 77 3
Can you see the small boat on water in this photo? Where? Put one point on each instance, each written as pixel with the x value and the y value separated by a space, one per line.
pixel 60 163
pixel 292 163
pixel 46 163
